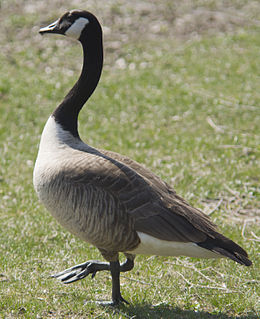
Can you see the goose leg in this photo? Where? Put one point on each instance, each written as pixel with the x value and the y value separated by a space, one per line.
pixel 128 264
pixel 116 294
pixel 117 298
pixel 115 269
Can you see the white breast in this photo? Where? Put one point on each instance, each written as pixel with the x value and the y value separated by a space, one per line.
pixel 54 145
pixel 58 149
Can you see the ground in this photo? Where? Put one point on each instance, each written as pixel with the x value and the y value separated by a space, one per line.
pixel 180 94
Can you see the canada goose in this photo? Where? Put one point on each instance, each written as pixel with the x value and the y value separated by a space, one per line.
pixel 105 198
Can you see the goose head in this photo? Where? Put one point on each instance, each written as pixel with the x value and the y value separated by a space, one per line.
pixel 74 24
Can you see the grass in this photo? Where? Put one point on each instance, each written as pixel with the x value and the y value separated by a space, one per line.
pixel 186 106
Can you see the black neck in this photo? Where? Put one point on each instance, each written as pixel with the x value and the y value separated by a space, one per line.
pixel 66 114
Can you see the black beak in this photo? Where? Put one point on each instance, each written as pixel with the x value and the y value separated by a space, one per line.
pixel 52 28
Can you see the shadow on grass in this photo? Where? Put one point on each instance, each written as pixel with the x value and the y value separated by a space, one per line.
pixel 164 311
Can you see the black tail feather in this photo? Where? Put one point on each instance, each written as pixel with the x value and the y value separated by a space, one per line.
pixel 226 247
pixel 241 259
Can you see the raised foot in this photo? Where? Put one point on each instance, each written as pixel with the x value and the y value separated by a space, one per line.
pixel 81 271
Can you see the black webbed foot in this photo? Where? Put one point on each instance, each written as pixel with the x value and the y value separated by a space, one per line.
pixel 113 303
pixel 81 271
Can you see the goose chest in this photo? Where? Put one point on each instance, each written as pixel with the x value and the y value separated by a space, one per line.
pixel 61 181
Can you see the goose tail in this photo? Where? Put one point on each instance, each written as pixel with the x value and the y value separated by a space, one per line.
pixel 226 247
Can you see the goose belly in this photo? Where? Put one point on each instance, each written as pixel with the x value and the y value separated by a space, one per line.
pixel 66 207
pixel 89 213
pixel 150 245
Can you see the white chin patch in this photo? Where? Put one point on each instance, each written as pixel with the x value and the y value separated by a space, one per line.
pixel 74 31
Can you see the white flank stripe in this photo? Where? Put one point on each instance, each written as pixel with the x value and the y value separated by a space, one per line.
pixel 153 246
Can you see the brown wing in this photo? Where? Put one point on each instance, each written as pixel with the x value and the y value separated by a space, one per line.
pixel 158 211
pixel 153 206
pixel 151 178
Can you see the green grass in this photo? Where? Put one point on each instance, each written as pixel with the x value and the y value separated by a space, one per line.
pixel 188 108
